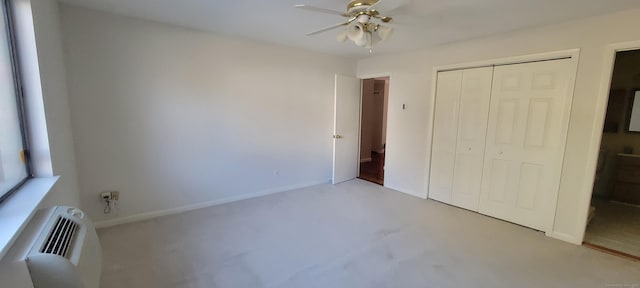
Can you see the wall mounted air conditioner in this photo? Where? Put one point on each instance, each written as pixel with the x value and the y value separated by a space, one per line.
pixel 66 252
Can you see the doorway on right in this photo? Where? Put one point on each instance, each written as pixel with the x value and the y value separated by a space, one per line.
pixel 373 130
pixel 613 223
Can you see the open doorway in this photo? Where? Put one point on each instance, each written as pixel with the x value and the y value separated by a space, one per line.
pixel 614 216
pixel 373 127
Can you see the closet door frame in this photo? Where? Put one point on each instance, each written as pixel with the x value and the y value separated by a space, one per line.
pixel 572 54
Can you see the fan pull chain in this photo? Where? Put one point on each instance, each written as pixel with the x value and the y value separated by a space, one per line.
pixel 370 42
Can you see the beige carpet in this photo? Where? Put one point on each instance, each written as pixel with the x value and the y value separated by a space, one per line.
pixel 615 226
pixel 355 234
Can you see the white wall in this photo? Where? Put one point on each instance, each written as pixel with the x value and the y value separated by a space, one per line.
pixel 405 153
pixel 173 117
pixel 590 35
pixel 46 26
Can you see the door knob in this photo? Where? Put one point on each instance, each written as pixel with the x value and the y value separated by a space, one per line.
pixel 337 136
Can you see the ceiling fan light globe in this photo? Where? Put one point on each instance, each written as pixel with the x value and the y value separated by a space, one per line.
pixel 342 36
pixel 384 32
pixel 363 41
pixel 355 32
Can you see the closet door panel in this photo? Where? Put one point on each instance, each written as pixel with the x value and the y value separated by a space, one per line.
pixel 472 127
pixel 525 141
pixel 445 130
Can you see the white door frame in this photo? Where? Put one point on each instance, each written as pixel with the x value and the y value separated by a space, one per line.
pixel 598 124
pixel 573 54
pixel 362 78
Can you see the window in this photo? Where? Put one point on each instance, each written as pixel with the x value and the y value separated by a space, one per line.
pixel 14 162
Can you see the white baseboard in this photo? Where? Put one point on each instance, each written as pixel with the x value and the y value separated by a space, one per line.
pixel 365 160
pixel 185 208
pixel 419 195
pixel 413 194
pixel 564 237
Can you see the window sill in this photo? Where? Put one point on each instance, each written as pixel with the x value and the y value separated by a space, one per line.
pixel 16 211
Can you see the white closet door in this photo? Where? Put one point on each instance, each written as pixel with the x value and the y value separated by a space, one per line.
pixel 472 131
pixel 444 135
pixel 525 141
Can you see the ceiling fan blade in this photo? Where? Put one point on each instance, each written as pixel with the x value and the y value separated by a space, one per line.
pixel 387 6
pixel 331 27
pixel 374 5
pixel 384 19
pixel 415 21
pixel 321 10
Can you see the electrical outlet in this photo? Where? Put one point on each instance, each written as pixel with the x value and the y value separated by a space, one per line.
pixel 105 196
pixel 110 195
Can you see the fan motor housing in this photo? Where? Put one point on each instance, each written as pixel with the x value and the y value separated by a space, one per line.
pixel 360 5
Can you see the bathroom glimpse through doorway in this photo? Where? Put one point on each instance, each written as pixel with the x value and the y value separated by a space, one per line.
pixel 373 127
pixel 614 214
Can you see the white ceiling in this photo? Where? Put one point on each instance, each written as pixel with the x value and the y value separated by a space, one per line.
pixel 418 23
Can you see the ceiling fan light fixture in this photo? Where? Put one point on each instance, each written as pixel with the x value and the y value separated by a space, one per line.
pixel 360 5
pixel 384 32
pixel 355 32
pixel 365 41
pixel 363 24
pixel 364 18
pixel 342 36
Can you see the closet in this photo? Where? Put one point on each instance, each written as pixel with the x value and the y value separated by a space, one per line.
pixel 460 124
pixel 498 139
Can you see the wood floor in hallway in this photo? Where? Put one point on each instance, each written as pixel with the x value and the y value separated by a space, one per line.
pixel 615 226
pixel 373 171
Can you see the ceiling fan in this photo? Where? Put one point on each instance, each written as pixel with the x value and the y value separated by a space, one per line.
pixel 361 24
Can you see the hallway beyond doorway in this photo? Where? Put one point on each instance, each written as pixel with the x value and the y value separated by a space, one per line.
pixel 373 128
pixel 373 171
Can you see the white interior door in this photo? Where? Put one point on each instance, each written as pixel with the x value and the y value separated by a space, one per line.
pixel 445 125
pixel 472 131
pixel 525 141
pixel 346 129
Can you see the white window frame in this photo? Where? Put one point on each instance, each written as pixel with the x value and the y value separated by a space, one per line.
pixel 11 41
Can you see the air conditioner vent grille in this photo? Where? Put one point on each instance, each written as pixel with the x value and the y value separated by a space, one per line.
pixel 60 238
